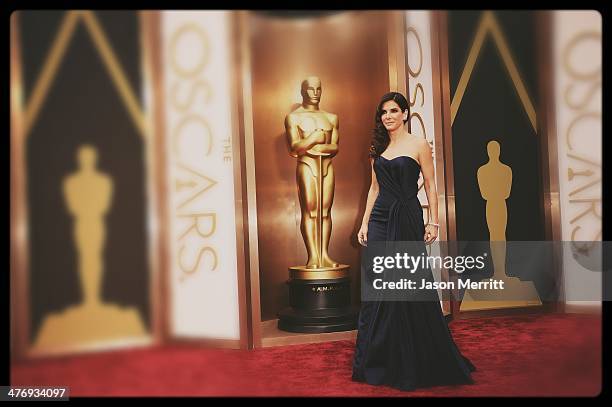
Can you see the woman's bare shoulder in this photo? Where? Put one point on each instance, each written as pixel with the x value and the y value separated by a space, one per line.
pixel 417 141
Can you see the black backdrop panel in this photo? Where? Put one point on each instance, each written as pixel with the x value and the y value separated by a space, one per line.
pixel 83 106
pixel 492 110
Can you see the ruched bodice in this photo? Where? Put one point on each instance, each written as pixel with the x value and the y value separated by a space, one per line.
pixel 397 204
pixel 398 176
pixel 404 344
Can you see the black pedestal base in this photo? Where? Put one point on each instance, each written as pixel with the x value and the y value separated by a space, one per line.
pixel 319 306
pixel 318 321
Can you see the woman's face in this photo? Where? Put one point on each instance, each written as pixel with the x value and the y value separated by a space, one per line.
pixel 392 116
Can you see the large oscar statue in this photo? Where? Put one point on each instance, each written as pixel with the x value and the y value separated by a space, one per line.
pixel 319 291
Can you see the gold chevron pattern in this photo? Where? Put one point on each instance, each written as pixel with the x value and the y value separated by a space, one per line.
pixel 490 26
pixel 111 63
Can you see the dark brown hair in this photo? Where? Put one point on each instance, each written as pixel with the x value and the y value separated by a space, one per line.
pixel 380 138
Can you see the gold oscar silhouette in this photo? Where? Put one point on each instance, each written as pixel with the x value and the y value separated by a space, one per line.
pixel 88 195
pixel 319 291
pixel 495 183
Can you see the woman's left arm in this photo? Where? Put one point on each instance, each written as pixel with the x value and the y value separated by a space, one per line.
pixel 426 158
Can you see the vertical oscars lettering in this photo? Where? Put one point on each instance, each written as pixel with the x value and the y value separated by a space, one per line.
pixel 583 171
pixel 188 93
pixel 416 77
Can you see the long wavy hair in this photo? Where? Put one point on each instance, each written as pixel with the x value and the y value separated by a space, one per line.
pixel 380 138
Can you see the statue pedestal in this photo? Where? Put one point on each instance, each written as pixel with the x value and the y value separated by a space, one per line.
pixel 84 324
pixel 320 301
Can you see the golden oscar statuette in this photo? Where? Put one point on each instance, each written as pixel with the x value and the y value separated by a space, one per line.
pixel 495 184
pixel 318 290
pixel 88 195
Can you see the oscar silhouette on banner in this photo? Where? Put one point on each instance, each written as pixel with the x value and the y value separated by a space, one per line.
pixel 495 183
pixel 88 195
pixel 319 291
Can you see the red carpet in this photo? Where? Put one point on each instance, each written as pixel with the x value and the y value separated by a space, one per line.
pixel 531 355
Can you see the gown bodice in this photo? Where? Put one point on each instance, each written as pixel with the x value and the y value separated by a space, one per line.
pixel 398 176
pixel 397 204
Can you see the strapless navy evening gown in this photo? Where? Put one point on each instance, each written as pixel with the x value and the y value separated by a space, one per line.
pixel 404 344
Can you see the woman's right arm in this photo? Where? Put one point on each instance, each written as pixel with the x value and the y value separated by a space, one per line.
pixel 372 195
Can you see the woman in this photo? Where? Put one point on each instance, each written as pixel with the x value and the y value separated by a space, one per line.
pixel 404 344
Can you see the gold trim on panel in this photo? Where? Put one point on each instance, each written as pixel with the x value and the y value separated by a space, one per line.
pixel 111 63
pixel 445 121
pixel 549 160
pixel 396 45
pixel 50 67
pixel 439 136
pixel 207 343
pixel 489 25
pixel 249 162
pixel 440 26
pixel 438 126
pixel 150 31
pixel 239 190
pixel 19 282
pixel 275 337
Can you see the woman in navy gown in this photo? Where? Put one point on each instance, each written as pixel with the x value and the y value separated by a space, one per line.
pixel 403 344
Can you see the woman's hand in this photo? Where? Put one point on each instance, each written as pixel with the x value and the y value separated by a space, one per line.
pixel 431 233
pixel 362 235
